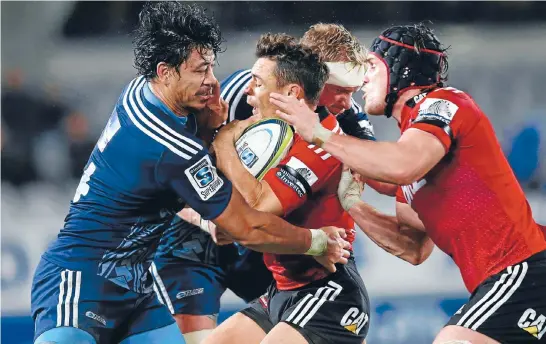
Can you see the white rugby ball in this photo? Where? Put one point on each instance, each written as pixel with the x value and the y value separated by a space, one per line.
pixel 263 145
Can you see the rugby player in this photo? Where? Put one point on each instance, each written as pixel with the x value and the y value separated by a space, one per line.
pixel 305 303
pixel 191 272
pixel 458 190
pixel 92 284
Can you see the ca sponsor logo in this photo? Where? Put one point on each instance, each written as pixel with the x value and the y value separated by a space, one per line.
pixel 354 320
pixel 533 323
pixel 96 317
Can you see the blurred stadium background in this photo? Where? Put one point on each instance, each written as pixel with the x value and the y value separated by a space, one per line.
pixel 65 63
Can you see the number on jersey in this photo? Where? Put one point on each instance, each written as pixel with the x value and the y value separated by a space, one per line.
pixel 83 187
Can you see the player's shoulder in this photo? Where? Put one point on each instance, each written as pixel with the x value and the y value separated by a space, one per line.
pixel 447 95
pixel 444 103
pixel 235 83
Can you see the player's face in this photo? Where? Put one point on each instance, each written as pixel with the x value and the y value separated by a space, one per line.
pixel 375 86
pixel 262 84
pixel 337 99
pixel 194 86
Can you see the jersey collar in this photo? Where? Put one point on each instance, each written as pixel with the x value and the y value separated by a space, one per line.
pixel 154 100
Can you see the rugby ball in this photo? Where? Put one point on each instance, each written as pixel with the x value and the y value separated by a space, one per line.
pixel 263 145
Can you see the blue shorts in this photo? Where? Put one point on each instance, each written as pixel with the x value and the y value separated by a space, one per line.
pixel 187 285
pixel 81 299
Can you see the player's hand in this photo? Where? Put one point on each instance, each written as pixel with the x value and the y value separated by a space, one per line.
pixel 228 135
pixel 297 113
pixel 216 111
pixel 219 236
pixel 337 249
pixel 350 189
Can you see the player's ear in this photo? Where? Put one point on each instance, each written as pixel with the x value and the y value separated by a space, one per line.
pixel 163 71
pixel 296 91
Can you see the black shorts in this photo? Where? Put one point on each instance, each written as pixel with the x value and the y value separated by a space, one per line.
pixel 335 309
pixel 510 306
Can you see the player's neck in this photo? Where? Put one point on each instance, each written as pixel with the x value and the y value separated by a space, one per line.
pixel 399 105
pixel 160 92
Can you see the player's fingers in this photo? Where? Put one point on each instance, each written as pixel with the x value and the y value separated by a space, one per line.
pixel 343 260
pixel 331 267
pixel 345 244
pixel 285 116
pixel 346 254
pixel 342 233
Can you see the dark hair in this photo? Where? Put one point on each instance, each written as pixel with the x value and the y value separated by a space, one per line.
pixel 295 64
pixel 168 31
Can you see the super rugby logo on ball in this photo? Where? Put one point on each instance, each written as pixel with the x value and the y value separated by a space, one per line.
pixel 263 145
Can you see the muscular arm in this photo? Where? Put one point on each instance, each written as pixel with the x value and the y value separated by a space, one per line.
pixel 261 231
pixel 383 188
pixel 258 194
pixel 402 236
pixel 402 162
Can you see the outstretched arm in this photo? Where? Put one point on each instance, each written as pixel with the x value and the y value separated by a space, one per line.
pixel 402 235
pixel 402 162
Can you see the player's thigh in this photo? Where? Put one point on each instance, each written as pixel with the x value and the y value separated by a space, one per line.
pixel 236 329
pixel 148 321
pixel 165 334
pixel 190 323
pixel 250 325
pixel 509 307
pixel 460 335
pixel 65 335
pixel 284 333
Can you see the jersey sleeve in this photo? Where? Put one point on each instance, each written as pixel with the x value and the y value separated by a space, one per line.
pixel 304 171
pixel 233 92
pixel 356 123
pixel 446 115
pixel 196 181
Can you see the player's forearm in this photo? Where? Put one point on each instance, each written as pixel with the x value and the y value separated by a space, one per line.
pixel 230 164
pixel 384 230
pixel 270 233
pixel 362 156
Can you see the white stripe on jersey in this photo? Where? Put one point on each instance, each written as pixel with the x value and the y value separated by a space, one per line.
pixel 163 125
pixel 237 81
pixel 136 116
pixel 355 106
pixel 240 94
pixel 61 299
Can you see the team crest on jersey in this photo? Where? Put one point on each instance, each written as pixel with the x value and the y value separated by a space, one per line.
pixel 533 323
pixel 436 109
pixel 204 179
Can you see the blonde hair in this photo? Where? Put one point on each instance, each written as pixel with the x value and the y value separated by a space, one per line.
pixel 334 43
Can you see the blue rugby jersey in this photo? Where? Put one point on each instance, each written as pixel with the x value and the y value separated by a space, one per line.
pixel 145 167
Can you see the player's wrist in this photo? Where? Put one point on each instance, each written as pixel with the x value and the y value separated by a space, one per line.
pixel 349 201
pixel 320 135
pixel 319 243
pixel 204 225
